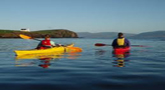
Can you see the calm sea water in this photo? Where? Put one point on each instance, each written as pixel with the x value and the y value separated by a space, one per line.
pixel 96 68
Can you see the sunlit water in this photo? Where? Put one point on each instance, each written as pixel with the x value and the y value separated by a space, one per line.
pixel 95 68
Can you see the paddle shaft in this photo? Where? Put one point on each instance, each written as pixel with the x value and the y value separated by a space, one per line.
pixel 28 37
pixel 101 44
pixel 36 39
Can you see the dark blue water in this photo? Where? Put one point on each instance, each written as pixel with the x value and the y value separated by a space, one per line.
pixel 96 68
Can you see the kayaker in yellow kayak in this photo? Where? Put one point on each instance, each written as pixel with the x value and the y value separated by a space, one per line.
pixel 47 43
pixel 45 62
pixel 120 42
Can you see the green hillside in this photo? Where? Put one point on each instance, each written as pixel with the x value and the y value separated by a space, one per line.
pixel 56 33
pixel 7 31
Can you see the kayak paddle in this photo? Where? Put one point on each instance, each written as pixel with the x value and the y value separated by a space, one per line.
pixel 69 46
pixel 101 44
pixel 27 37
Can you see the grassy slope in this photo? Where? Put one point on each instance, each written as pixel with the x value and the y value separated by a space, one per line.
pixel 40 31
pixel 61 33
pixel 8 31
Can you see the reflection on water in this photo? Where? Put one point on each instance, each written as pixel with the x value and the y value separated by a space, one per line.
pixel 100 52
pixel 43 60
pixel 120 59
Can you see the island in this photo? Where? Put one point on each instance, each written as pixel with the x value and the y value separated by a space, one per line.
pixel 54 33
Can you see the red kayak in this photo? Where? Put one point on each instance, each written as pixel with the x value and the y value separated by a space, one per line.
pixel 121 50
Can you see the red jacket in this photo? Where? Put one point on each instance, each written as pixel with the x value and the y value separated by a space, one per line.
pixel 45 44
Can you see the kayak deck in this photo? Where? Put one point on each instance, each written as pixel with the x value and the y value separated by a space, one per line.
pixel 121 50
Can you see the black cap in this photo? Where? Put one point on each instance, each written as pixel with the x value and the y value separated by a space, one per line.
pixel 120 34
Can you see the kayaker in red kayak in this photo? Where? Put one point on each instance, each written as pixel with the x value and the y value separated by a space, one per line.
pixel 47 43
pixel 120 42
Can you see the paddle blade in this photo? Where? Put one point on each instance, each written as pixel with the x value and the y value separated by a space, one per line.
pixel 25 36
pixel 100 44
pixel 75 49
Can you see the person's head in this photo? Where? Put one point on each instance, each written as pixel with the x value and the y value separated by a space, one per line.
pixel 120 35
pixel 47 37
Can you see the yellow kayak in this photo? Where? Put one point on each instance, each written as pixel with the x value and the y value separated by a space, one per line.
pixel 55 55
pixel 41 55
pixel 61 49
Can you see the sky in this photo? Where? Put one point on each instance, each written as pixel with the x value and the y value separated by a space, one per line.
pixel 128 16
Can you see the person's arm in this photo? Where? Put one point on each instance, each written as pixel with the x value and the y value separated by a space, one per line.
pixel 127 43
pixel 114 43
pixel 52 43
pixel 39 45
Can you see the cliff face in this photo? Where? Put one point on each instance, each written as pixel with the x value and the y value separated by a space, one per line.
pixel 60 33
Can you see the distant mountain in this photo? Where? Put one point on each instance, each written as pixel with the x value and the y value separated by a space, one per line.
pixel 150 35
pixel 101 35
pixel 146 35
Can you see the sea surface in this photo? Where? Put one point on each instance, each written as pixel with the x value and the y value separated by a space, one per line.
pixel 96 68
